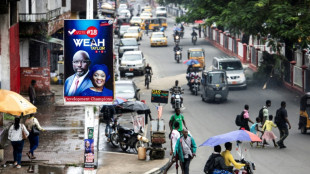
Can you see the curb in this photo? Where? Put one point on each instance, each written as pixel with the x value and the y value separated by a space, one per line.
pixel 158 170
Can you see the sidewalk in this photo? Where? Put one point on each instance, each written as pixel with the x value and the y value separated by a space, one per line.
pixel 61 146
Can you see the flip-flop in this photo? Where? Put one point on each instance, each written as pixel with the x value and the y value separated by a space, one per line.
pixel 28 154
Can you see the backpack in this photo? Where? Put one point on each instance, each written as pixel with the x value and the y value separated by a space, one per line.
pixel 277 118
pixel 209 167
pixel 261 114
pixel 240 119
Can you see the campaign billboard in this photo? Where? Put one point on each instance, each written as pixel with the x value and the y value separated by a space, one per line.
pixel 88 72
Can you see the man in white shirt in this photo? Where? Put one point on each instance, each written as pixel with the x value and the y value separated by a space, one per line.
pixel 78 82
pixel 175 135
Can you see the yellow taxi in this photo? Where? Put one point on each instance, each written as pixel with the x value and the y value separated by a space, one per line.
pixel 146 8
pixel 158 39
pixel 198 54
pixel 134 32
pixel 135 21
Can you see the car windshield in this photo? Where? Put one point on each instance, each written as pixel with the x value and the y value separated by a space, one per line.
pixel 158 36
pixel 124 88
pixel 129 42
pixel 124 28
pixel 161 8
pixel 230 66
pixel 196 54
pixel 136 19
pixel 131 57
pixel 216 78
pixel 130 30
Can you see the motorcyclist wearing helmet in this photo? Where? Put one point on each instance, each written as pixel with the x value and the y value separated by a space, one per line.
pixel 194 33
pixel 176 89
pixel 148 71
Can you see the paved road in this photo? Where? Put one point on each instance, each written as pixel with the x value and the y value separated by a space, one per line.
pixel 207 119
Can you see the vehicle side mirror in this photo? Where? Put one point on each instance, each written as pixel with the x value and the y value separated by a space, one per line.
pixel 139 44
pixel 138 89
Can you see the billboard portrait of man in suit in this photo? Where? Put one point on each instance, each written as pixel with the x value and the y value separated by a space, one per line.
pixel 79 81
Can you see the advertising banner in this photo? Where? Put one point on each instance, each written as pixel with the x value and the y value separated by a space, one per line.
pixel 89 156
pixel 88 51
pixel 138 123
pixel 159 96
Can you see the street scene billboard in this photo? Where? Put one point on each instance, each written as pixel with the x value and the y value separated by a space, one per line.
pixel 88 50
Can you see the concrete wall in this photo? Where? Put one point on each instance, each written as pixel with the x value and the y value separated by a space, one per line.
pixel 67 7
pixel 24 52
pixel 5 52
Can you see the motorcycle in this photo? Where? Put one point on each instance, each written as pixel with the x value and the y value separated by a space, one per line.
pixel 127 138
pixel 178 55
pixel 194 84
pixel 177 104
pixel 147 80
pixel 176 39
pixel 194 39
pixel 182 34
pixel 247 169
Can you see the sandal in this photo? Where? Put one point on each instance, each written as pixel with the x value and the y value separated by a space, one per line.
pixel 28 154
pixel 15 163
pixel 33 157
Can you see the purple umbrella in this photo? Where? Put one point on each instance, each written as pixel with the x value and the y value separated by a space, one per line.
pixel 238 135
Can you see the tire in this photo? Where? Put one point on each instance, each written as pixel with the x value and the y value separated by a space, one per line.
pixel 196 92
pixel 303 130
pixel 124 147
pixel 148 85
pixel 178 60
pixel 114 140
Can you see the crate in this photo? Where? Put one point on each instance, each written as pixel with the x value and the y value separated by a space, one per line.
pixel 158 137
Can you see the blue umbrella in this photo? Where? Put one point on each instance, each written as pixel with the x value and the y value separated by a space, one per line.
pixel 238 135
pixel 191 62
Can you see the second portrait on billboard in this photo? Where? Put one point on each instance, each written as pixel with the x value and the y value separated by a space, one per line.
pixel 89 77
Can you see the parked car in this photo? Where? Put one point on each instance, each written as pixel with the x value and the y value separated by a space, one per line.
pixel 127 44
pixel 133 32
pixel 132 62
pixel 122 30
pixel 161 11
pixel 127 89
pixel 234 70
pixel 158 39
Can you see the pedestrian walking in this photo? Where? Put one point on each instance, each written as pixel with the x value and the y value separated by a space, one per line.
pixel 246 118
pixel 17 134
pixel 255 130
pixel 199 30
pixel 186 150
pixel 216 163
pixel 268 134
pixel 177 117
pixel 147 28
pixel 282 123
pixel 175 135
pixel 264 112
pixel 34 127
pixel 32 92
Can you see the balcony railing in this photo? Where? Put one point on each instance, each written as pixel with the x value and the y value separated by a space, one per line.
pixel 39 17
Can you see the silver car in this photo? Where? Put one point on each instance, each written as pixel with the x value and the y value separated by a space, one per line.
pixel 123 30
pixel 127 44
pixel 127 89
pixel 132 62
pixel 234 70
